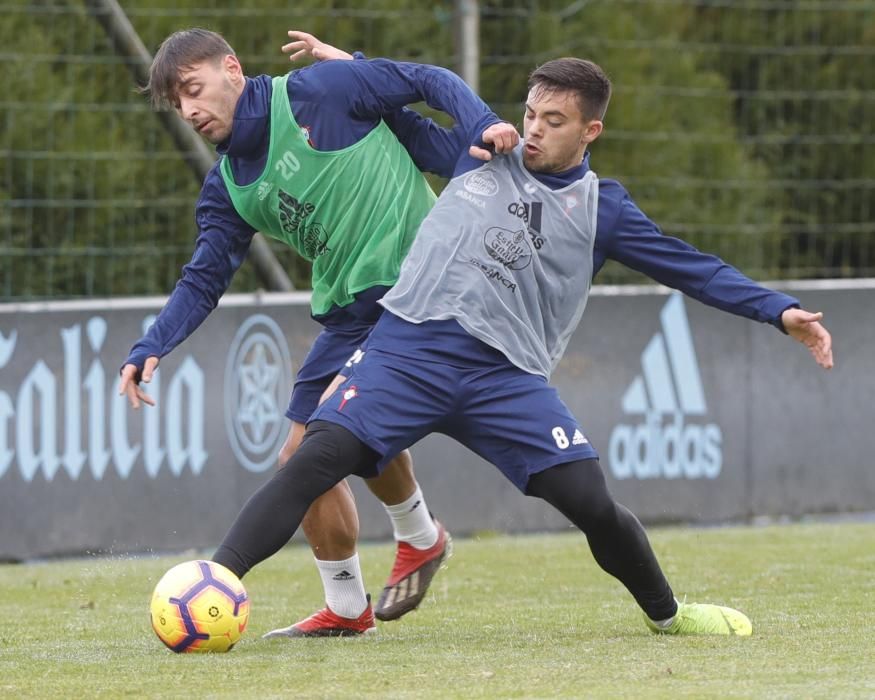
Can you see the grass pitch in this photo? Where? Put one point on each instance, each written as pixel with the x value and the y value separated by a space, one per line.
pixel 511 617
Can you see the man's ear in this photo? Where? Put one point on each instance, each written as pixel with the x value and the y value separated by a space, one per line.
pixel 233 68
pixel 592 131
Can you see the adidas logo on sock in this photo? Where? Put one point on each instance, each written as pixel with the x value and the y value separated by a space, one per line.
pixel 343 576
pixel 415 506
pixel 667 392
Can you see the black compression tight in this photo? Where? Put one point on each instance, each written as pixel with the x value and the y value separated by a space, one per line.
pixel 617 539
pixel 328 454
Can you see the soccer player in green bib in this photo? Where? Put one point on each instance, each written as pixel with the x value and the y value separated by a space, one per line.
pixel 309 159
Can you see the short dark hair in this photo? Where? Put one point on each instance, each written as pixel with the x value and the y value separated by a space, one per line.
pixel 179 52
pixel 584 78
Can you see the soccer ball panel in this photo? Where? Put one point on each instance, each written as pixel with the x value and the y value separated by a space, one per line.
pixel 199 606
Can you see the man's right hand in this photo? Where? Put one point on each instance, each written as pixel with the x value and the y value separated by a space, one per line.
pixel 304 44
pixel 502 137
pixel 130 385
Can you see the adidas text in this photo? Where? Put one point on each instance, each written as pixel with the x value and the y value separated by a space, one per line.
pixel 670 450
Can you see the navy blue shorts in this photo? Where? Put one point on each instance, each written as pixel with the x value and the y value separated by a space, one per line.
pixel 416 379
pixel 346 329
pixel 331 350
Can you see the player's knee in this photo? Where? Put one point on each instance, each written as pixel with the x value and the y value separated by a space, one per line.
pixel 578 490
pixel 329 448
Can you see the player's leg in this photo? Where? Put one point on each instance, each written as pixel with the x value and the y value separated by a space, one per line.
pixel 390 400
pixel 539 445
pixel 331 527
pixel 620 545
pixel 331 524
pixel 422 543
pixel 327 455
pixel 616 537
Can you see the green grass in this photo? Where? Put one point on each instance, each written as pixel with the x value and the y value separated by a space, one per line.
pixel 511 617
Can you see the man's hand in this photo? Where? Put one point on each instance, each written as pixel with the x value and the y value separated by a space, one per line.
pixel 304 44
pixel 805 327
pixel 130 386
pixel 502 136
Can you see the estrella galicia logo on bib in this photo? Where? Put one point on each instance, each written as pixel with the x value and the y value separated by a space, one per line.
pixel 481 183
pixel 510 248
pixel 315 241
pixel 257 378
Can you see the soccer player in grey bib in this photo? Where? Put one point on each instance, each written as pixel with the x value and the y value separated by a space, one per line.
pixel 487 298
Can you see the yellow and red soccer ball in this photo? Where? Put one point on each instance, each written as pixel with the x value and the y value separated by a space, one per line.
pixel 199 606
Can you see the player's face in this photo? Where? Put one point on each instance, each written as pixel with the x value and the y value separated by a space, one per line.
pixel 556 134
pixel 207 95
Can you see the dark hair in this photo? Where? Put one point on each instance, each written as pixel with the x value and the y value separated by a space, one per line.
pixel 584 78
pixel 179 52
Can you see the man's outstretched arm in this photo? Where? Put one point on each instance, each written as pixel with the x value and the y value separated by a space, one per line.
pixel 478 131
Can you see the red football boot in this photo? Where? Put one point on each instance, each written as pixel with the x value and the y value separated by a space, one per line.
pixel 411 575
pixel 326 623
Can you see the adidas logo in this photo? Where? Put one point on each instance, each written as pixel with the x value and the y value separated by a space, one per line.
pixel 415 506
pixel 578 438
pixel 263 190
pixel 667 392
pixel 343 576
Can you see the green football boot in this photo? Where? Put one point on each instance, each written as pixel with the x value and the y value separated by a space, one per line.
pixel 703 618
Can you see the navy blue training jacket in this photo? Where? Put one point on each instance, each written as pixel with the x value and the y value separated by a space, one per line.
pixel 338 103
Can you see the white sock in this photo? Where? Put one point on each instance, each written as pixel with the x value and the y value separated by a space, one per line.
pixel 412 522
pixel 665 624
pixel 344 589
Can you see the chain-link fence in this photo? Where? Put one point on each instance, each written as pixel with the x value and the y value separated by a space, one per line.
pixel 743 126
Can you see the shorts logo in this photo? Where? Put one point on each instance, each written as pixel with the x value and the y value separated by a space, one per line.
pixel 562 441
pixel 665 394
pixel 257 380
pixel 481 183
pixel 348 395
pixel 510 248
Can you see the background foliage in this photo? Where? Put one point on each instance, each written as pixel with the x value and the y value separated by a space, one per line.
pixel 743 126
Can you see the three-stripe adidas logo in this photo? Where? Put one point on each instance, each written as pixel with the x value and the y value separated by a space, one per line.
pixel 668 390
pixel 404 589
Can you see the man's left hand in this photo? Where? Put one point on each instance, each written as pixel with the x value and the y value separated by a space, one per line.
pixel 805 327
pixel 304 44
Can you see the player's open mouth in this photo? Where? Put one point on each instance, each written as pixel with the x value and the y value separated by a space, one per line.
pixel 532 150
